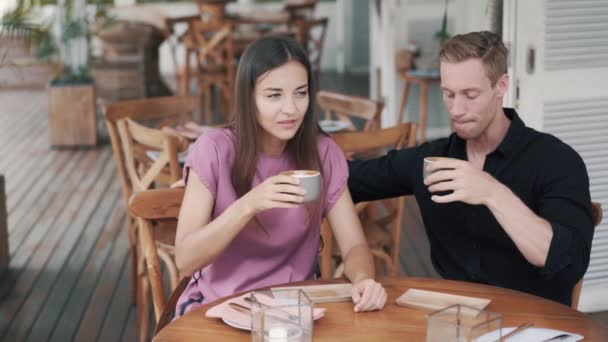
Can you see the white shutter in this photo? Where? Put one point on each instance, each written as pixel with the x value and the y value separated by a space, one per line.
pixel 570 86
pixel 583 124
pixel 575 34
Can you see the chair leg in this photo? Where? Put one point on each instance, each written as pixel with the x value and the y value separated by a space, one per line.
pixel 402 107
pixel 424 107
pixel 328 245
pixel 208 106
pixel 339 272
pixel 224 98
pixel 387 261
pixel 132 234
pixel 144 308
pixel 171 268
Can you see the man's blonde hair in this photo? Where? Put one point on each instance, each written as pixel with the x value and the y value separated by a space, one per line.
pixel 484 45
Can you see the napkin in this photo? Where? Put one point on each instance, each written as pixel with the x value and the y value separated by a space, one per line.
pixel 529 335
pixel 242 319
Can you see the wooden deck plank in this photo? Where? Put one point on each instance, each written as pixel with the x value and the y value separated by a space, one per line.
pixel 79 297
pixel 14 115
pixel 33 182
pixel 130 333
pixel 41 218
pixel 19 135
pixel 117 316
pixel 46 195
pixel 21 169
pixel 11 134
pixel 92 319
pixel 47 244
pixel 14 160
pixel 70 264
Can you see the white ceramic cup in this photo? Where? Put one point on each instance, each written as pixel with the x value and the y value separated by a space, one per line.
pixel 310 180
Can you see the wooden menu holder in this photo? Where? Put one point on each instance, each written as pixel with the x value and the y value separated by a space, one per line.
pixel 421 299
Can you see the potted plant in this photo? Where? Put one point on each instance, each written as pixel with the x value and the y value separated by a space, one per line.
pixel 443 35
pixel 71 92
pixel 25 48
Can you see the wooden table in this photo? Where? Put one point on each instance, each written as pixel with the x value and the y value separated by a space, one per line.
pixel 395 323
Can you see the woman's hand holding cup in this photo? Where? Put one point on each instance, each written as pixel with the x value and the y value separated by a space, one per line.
pixel 278 191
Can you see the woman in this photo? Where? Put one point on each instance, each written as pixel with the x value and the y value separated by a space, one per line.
pixel 242 225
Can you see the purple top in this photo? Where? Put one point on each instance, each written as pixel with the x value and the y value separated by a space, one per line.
pixel 253 259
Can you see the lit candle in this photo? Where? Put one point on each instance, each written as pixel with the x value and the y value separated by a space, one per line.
pixel 277 334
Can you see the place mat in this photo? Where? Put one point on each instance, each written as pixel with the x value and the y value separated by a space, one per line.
pixel 422 299
pixel 324 293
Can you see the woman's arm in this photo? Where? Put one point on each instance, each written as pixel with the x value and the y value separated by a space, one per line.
pixel 358 261
pixel 198 241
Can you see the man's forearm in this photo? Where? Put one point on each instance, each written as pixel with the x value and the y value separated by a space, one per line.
pixel 531 234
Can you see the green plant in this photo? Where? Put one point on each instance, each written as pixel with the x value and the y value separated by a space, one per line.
pixel 442 35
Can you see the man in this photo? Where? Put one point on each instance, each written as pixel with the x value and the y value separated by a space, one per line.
pixel 509 206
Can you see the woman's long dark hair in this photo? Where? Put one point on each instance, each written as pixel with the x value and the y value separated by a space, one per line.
pixel 261 56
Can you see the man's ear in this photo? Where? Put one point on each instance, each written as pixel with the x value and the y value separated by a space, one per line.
pixel 502 85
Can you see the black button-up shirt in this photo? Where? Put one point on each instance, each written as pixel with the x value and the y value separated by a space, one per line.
pixel 467 243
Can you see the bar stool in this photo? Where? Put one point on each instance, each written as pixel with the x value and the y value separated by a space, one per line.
pixel 423 79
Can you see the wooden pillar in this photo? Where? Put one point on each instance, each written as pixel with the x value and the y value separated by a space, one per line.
pixel 3 228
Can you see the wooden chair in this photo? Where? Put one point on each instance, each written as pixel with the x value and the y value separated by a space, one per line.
pixel 382 228
pixel 169 309
pixel 212 44
pixel 351 109
pixel 137 140
pixel 300 9
pixel 596 211
pixel 175 41
pixel 403 63
pixel 157 211
pixel 310 33
pixel 160 109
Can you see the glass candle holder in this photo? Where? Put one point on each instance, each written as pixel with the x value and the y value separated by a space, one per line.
pixel 281 316
pixel 460 323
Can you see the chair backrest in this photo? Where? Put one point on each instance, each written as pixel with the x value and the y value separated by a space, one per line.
pixel 151 207
pixel 347 107
pixel 310 33
pixel 213 45
pixel 212 13
pixel 596 215
pixel 137 140
pixel 403 61
pixel 174 40
pixel 300 9
pixel 391 213
pixel 396 137
pixel 164 109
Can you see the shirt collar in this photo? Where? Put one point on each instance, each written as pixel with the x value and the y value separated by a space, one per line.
pixel 512 139
pixel 507 146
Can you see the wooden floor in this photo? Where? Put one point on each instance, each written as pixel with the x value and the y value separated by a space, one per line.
pixel 69 274
pixel 68 277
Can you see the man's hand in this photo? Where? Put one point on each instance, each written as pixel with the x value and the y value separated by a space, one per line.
pixel 466 183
